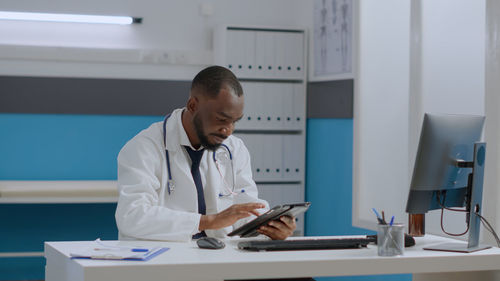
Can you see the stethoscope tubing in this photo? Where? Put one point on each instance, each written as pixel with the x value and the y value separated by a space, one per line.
pixel 170 182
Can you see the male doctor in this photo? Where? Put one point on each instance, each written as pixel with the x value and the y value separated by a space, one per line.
pixel 188 177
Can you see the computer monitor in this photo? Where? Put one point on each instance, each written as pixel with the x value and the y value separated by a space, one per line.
pixel 449 171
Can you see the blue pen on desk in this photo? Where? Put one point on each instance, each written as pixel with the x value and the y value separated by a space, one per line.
pixel 139 250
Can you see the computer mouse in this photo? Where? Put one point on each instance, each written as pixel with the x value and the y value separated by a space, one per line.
pixel 210 243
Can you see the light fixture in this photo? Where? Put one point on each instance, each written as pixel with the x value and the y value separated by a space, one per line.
pixel 4 15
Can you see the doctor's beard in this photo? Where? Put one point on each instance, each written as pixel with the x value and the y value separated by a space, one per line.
pixel 198 127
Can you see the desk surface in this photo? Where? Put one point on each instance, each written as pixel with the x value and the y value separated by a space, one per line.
pixel 185 261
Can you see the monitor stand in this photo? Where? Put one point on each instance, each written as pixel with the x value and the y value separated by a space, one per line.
pixel 457 247
pixel 476 195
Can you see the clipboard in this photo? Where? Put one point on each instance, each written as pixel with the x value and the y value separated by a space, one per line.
pixel 118 254
pixel 250 229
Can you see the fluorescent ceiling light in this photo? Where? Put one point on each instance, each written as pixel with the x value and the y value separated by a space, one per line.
pixel 68 18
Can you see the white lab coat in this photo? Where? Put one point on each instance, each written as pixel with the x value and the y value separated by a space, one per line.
pixel 145 209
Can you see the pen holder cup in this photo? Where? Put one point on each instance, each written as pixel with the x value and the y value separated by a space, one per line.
pixel 390 239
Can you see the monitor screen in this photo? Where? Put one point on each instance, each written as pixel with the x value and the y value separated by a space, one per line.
pixel 444 140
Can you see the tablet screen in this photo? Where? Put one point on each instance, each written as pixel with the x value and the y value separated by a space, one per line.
pixel 250 229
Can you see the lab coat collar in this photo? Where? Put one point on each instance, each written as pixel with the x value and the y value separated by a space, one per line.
pixel 176 134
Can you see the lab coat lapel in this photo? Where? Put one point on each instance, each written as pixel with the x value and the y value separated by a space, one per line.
pixel 185 189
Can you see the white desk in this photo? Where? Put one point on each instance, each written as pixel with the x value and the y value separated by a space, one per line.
pixel 185 261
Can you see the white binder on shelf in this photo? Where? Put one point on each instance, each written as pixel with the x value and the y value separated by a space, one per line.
pixel 265 53
pixel 280 46
pixel 264 107
pixel 248 119
pixel 288 170
pixel 259 157
pixel 233 51
pixel 251 144
pixel 279 105
pixel 248 52
pixel 286 97
pixel 270 193
pixel 270 104
pixel 267 155
pixel 289 52
pixel 293 193
pixel 297 55
pixel 276 158
pixel 293 157
pixel 259 108
pixel 299 101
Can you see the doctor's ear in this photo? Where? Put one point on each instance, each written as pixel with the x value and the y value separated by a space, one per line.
pixel 193 104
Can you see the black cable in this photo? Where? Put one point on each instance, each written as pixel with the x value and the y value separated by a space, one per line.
pixel 483 220
pixel 488 227
pixel 452 234
pixel 444 207
pixel 449 209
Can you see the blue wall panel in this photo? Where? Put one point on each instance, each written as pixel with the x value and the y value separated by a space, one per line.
pixel 64 147
pixel 58 147
pixel 329 185
pixel 24 227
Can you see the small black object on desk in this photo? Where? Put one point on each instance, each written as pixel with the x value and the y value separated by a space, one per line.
pixel 210 243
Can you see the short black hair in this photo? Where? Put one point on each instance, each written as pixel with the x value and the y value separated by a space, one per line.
pixel 213 78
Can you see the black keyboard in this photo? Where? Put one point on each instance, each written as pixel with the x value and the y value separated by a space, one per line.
pixel 305 244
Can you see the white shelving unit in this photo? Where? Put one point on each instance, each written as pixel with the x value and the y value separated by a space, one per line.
pixel 270 63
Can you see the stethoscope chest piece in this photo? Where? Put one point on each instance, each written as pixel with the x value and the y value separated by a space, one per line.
pixel 170 186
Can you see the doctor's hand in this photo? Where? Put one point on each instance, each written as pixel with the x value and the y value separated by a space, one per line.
pixel 229 216
pixel 279 229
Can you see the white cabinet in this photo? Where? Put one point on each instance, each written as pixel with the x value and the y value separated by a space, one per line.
pixel 270 63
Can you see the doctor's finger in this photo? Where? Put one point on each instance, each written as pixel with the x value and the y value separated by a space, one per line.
pixel 244 213
pixel 250 206
pixel 254 212
pixel 274 232
pixel 281 226
pixel 288 220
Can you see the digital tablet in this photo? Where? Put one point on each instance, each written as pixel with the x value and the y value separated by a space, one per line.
pixel 250 229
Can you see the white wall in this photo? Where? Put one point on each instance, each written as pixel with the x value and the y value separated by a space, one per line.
pixel 492 135
pixel 446 75
pixel 452 72
pixel 168 25
pixel 381 100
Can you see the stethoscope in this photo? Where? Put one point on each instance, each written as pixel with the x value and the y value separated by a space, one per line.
pixel 170 183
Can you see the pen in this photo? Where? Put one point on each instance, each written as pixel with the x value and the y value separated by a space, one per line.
pixel 139 250
pixel 383 217
pixel 378 216
pixel 392 221
pixel 118 249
